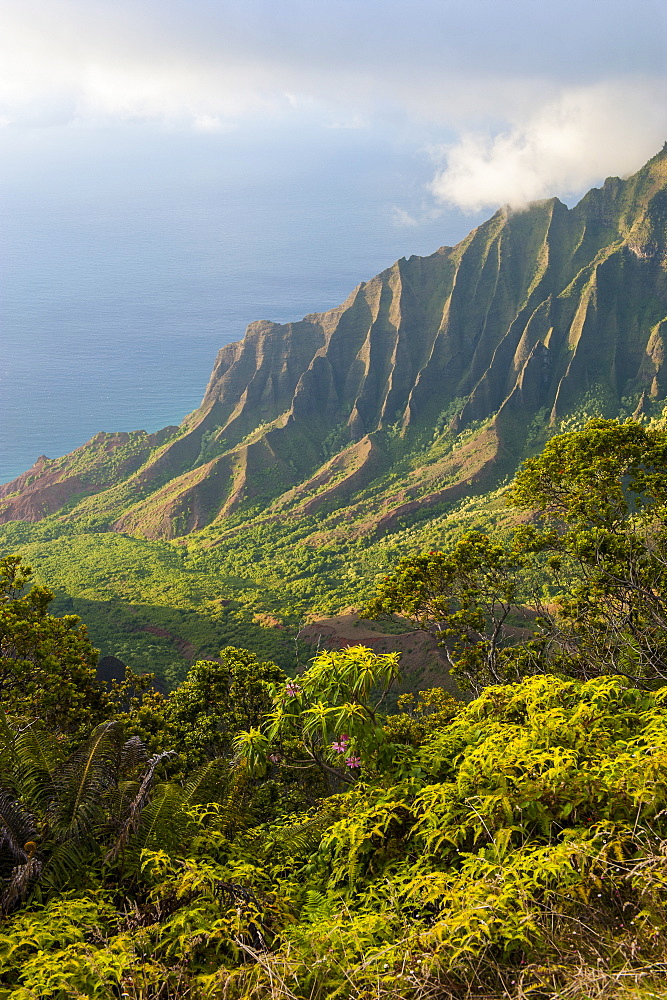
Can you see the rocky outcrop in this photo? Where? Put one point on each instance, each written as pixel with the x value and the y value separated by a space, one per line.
pixel 94 467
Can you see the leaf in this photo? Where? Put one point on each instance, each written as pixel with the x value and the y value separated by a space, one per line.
pixel 164 821
pixel 133 754
pixel 67 866
pixel 207 782
pixel 82 782
pixel 130 821
pixel 39 754
pixel 18 886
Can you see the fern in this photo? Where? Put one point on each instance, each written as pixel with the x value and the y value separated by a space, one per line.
pixel 130 821
pixel 19 883
pixel 318 906
pixel 82 782
pixel 18 827
pixel 68 867
pixel 164 822
pixel 133 755
pixel 38 755
pixel 208 782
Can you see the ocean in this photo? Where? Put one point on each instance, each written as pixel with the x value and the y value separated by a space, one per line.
pixel 126 267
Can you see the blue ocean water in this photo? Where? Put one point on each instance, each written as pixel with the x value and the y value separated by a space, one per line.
pixel 126 266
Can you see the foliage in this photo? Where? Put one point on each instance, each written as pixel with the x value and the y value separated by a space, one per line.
pixel 466 595
pixel 602 494
pixel 512 849
pixel 216 701
pixel 510 856
pixel 211 446
pixel 599 498
pixel 162 606
pixel 47 664
pixel 305 845
pixel 421 715
pixel 337 439
pixel 327 718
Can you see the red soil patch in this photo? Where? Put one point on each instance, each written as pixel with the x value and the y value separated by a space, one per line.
pixel 423 662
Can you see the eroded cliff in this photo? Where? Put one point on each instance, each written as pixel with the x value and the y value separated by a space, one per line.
pixel 454 355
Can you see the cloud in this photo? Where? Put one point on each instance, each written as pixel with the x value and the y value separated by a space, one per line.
pixel 97 63
pixel 535 99
pixel 402 218
pixel 208 123
pixel 342 61
pixel 561 148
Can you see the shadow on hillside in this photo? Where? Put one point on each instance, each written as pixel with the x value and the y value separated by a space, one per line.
pixel 166 640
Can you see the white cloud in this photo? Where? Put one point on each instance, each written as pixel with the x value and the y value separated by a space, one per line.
pixel 209 123
pixel 63 62
pixel 402 218
pixel 561 148
pixel 344 61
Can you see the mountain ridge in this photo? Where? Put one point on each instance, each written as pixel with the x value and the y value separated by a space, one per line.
pixel 437 367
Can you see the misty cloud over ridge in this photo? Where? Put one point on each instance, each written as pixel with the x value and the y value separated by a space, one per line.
pixel 563 146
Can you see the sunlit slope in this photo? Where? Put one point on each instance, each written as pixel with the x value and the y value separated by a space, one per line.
pixel 425 385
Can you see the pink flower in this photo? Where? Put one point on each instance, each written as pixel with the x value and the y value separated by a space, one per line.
pixel 292 689
pixel 353 761
pixel 275 758
pixel 341 745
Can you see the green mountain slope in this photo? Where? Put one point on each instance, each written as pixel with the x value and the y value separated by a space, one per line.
pixel 325 448
pixel 532 311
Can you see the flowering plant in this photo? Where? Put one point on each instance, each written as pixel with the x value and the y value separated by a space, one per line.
pixel 341 691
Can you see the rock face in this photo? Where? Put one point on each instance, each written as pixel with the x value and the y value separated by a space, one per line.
pixel 528 315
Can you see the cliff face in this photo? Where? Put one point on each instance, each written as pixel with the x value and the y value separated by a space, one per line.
pixel 526 316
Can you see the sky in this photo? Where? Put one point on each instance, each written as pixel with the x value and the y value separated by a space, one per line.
pixel 504 100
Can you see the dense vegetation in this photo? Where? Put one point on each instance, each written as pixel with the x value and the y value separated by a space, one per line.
pixel 253 582
pixel 259 835
pixel 166 604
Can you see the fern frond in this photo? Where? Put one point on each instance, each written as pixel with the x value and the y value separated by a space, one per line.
pixel 164 821
pixel 8 754
pixel 299 840
pixel 208 782
pixel 82 783
pixel 133 754
pixel 18 827
pixel 318 906
pixel 18 885
pixel 119 801
pixel 68 866
pixel 130 821
pixel 39 754
pixel 163 827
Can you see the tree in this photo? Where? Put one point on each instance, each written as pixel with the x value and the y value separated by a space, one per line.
pixel 601 498
pixel 465 596
pixel 327 719
pixel 598 503
pixel 47 664
pixel 217 700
